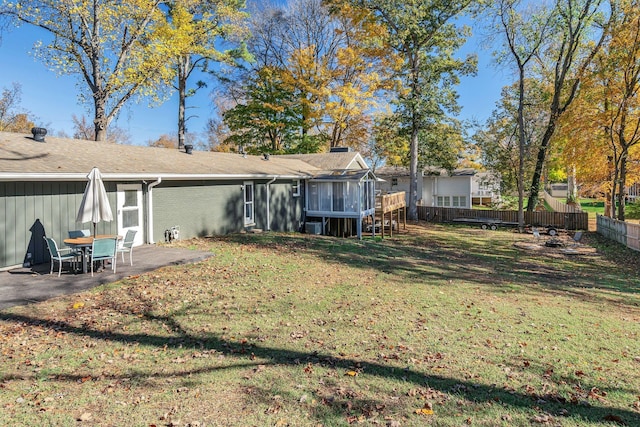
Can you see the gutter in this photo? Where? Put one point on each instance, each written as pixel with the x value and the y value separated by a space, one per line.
pixel 20 176
pixel 269 202
pixel 150 209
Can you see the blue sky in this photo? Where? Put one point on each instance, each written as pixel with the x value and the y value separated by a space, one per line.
pixel 53 99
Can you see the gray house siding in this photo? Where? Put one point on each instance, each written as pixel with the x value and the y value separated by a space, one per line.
pixel 287 210
pixel 30 210
pixel 202 208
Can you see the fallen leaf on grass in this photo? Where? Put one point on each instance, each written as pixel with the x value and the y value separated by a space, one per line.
pixel 78 305
pixel 427 409
pixel 351 373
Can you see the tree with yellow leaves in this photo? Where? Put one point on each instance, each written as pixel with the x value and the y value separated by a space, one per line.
pixel 314 83
pixel 603 131
pixel 104 42
pixel 196 34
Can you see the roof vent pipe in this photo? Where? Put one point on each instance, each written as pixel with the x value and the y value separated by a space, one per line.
pixel 38 134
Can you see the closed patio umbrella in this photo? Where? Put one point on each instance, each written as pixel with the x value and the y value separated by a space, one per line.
pixel 95 205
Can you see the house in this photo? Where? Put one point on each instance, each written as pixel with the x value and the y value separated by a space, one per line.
pixel 436 187
pixel 151 190
pixel 558 189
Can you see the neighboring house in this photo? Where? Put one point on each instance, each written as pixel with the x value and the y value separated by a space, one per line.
pixel 558 189
pixel 485 188
pixel 150 190
pixel 460 189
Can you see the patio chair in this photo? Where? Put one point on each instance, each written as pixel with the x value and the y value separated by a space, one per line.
pixel 127 245
pixel 576 239
pixel 60 255
pixel 103 250
pixel 536 233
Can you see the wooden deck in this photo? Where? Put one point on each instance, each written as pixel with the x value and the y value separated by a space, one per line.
pixel 389 206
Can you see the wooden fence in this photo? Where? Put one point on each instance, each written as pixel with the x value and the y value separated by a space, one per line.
pixel 558 206
pixel 622 232
pixel 568 220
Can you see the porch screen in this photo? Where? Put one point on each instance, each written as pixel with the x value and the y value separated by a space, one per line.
pixel 338 197
pixel 324 194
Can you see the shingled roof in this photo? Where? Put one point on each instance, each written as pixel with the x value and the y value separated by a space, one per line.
pixel 340 160
pixel 23 158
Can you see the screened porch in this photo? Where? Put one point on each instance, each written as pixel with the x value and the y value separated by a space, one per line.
pixel 337 202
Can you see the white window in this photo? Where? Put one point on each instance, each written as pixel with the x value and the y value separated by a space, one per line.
pixel 295 188
pixel 444 201
pixel 459 201
pixel 249 214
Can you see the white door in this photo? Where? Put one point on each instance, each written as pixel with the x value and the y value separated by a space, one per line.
pixel 249 212
pixel 130 210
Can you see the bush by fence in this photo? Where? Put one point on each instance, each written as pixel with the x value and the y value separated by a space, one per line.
pixel 566 220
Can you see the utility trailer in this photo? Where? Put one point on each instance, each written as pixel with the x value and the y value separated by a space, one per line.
pixel 493 224
pixel 486 223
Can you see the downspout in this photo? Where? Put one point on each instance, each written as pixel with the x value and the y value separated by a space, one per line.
pixel 360 207
pixel 269 203
pixel 150 209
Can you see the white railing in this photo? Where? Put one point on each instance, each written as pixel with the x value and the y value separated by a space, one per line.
pixel 483 193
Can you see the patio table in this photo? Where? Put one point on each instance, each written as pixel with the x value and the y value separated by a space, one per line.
pixel 84 243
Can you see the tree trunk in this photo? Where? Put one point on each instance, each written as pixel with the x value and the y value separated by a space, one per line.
pixel 614 187
pixel 621 185
pixel 100 120
pixel 572 185
pixel 534 190
pixel 182 100
pixel 521 146
pixel 412 213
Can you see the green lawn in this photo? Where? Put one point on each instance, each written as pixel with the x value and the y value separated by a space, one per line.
pixel 443 326
pixel 592 206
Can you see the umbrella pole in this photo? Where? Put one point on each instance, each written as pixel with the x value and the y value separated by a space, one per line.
pixel 94 230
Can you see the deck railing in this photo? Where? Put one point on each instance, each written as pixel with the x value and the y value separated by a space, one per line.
pixel 391 201
pixel 391 204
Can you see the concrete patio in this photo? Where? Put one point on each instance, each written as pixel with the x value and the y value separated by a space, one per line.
pixel 23 286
